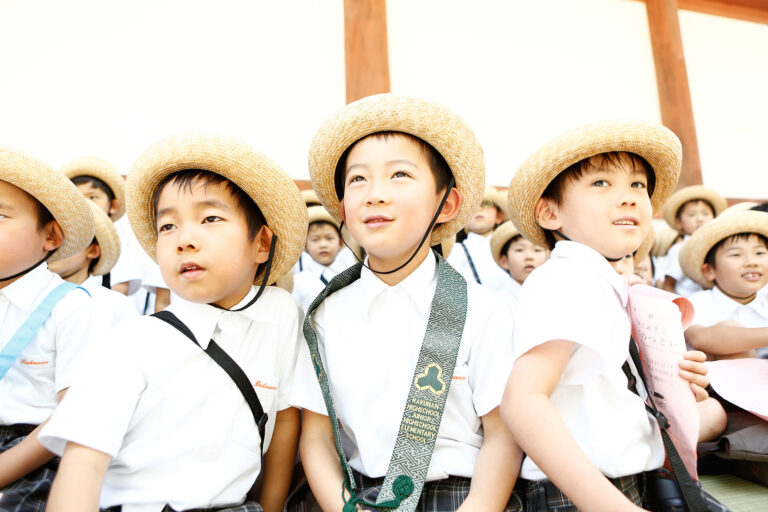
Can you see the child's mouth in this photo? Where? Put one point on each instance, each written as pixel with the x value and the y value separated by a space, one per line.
pixel 190 270
pixel 625 221
pixel 376 220
pixel 752 276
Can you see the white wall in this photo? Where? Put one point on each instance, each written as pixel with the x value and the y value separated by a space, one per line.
pixel 109 78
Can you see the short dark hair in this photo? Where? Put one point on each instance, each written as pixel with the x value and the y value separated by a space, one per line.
pixel 505 247
pixel 187 178
pixel 710 257
pixel 554 190
pixel 762 207
pixel 334 226
pixel 437 164
pixel 694 200
pixel 96 183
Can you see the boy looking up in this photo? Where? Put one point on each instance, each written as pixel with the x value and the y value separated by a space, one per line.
pixel 45 323
pixel 588 195
pixel 409 356
pixel 168 426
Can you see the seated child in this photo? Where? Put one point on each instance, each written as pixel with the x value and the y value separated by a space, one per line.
pixel 88 266
pixel 729 258
pixel 686 211
pixel 472 256
pixel 167 426
pixel 410 358
pixel 588 195
pixel 42 218
pixel 517 255
pixel 323 246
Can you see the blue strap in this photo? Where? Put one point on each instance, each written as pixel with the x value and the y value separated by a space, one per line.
pixel 29 328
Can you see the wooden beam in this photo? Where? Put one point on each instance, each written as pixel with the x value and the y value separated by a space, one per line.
pixel 672 83
pixel 747 10
pixel 365 48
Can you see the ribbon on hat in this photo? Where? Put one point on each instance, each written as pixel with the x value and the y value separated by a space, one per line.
pixel 427 396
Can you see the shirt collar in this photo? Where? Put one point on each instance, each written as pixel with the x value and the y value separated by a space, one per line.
pixel 419 285
pixel 26 290
pixel 728 306
pixel 587 256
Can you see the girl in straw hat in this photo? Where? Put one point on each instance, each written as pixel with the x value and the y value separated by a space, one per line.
pixel 186 408
pixel 406 355
pixel 45 324
pixel 588 194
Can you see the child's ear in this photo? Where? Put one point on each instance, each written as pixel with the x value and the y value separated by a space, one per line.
pixel 499 216
pixel 263 240
pixel 504 262
pixel 678 224
pixel 93 252
pixel 547 214
pixel 708 271
pixel 53 236
pixel 451 206
pixel 113 207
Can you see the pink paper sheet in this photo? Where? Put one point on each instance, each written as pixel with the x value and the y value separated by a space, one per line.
pixel 743 382
pixel 658 319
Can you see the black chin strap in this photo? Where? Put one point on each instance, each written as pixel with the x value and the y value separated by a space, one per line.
pixel 50 253
pixel 264 281
pixel 423 238
pixel 613 260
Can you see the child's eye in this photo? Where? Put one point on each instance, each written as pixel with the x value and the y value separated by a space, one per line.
pixel 600 183
pixel 400 174
pixel 355 178
pixel 212 218
pixel 638 184
pixel 165 227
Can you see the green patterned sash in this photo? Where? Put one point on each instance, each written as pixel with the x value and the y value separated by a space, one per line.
pixel 426 399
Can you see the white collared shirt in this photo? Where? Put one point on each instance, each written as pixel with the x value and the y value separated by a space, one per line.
pixel 479 248
pixel 307 283
pixel 49 362
pixel 578 296
pixel 344 259
pixel 176 426
pixel 684 285
pixel 713 306
pixel 370 335
pixel 111 307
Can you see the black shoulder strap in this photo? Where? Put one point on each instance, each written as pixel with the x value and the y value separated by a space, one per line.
pixel 689 488
pixel 471 263
pixel 228 365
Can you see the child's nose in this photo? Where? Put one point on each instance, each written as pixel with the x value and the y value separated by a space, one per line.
pixel 377 192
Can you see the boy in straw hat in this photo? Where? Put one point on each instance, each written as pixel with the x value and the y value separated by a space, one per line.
pixel 588 196
pixel 729 258
pixel 516 255
pixel 686 211
pixel 473 258
pixel 45 323
pixel 409 357
pixel 87 267
pixel 200 390
pixel 100 182
pixel 323 246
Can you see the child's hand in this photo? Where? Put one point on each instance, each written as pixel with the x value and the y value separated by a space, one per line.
pixel 693 370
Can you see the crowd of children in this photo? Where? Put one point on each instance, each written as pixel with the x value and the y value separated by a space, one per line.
pixel 405 367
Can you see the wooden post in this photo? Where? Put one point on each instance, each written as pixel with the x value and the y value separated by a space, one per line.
pixel 365 48
pixel 672 82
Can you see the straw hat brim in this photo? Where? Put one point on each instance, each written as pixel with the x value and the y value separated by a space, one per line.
pixel 694 192
pixel 103 170
pixel 273 191
pixel 108 240
pixel 655 143
pixel 695 249
pixel 645 248
pixel 433 123
pixel 285 282
pixel 503 234
pixel 446 246
pixel 320 214
pixel 67 205
pixel 310 197
pixel 499 200
pixel 739 207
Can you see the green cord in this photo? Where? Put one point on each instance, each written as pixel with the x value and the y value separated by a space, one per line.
pixel 402 487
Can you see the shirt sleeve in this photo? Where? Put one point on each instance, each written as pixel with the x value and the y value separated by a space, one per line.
pixel 306 392
pixel 672 263
pixel 291 331
pixel 99 405
pixel 74 318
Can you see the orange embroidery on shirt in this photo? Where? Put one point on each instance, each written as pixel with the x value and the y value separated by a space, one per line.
pixel 260 384
pixel 458 377
pixel 30 362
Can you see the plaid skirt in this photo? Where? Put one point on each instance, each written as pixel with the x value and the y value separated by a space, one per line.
pixel 543 495
pixel 29 493
pixel 438 496
pixel 248 506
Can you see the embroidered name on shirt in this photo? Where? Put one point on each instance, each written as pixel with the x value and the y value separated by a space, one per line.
pixel 32 362
pixel 260 384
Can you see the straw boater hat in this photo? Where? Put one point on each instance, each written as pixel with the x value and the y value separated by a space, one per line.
pixel 446 246
pixel 67 205
pixel 285 282
pixel 645 248
pixel 498 198
pixel 664 237
pixel 320 214
pixel 310 197
pixel 262 179
pixel 739 207
pixel 695 249
pixel 431 122
pixel 103 170
pixel 694 192
pixel 655 143
pixel 503 234
pixel 108 240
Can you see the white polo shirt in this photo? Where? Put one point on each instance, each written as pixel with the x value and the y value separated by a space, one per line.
pixel 369 336
pixel 112 307
pixel 344 259
pixel 479 248
pixel 175 424
pixel 577 296
pixel 684 286
pixel 713 306
pixel 307 283
pixel 49 362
